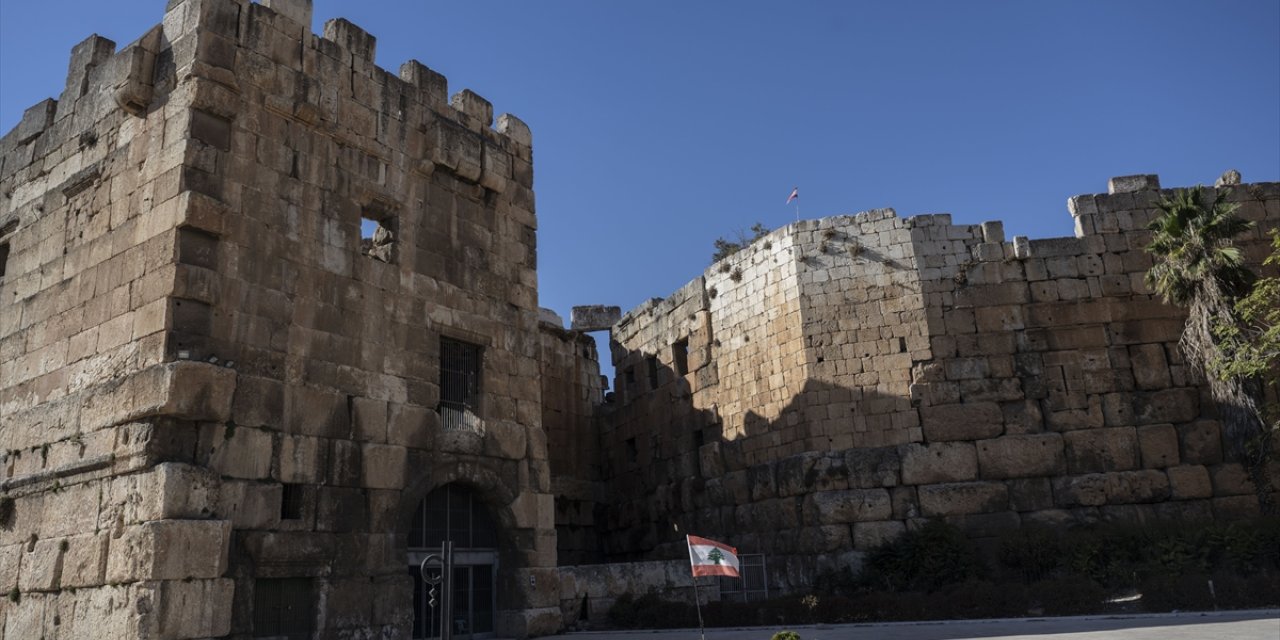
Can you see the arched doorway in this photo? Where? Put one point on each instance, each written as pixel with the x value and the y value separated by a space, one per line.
pixel 453 512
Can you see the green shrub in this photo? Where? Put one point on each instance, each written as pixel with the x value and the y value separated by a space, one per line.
pixel 1033 553
pixel 925 559
pixel 785 635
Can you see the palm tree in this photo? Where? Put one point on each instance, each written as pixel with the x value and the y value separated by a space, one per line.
pixel 1197 266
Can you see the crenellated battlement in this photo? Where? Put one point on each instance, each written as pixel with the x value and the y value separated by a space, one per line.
pixel 326 80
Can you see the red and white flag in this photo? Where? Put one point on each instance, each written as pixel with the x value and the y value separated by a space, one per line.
pixel 795 193
pixel 711 558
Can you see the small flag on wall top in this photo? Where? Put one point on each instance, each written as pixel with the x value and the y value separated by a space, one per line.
pixel 795 193
pixel 711 558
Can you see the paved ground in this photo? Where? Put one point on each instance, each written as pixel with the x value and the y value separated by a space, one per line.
pixel 1227 625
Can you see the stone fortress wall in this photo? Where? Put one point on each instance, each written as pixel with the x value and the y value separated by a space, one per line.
pixel 838 380
pixel 209 379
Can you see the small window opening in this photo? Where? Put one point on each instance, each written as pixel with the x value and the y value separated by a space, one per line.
pixel 680 356
pixel 283 608
pixel 632 453
pixel 4 258
pixel 699 439
pixel 460 367
pixel 378 236
pixel 291 502
pixel 902 345
pixel 653 371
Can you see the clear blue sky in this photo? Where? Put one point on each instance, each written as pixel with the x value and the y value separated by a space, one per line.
pixel 659 125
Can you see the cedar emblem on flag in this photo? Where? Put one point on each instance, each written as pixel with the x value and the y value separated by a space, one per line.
pixel 711 558
pixel 795 193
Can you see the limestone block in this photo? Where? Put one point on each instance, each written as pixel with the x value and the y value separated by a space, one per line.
pixel 237 452
pixel 495 169
pixel 967 421
pixel 1136 486
pixel 1031 494
pixel 37 118
pixel 1170 405
pixel 299 11
pixel 1020 456
pixel 316 412
pixel 457 150
pixel 250 505
pixel 42 565
pixel 384 466
pixel 1159 446
pixel 410 425
pixel 1093 450
pixel 821 540
pixel 1130 184
pixel 303 459
pixel 198 391
pixel 506 439
pixel 851 505
pixel 869 535
pixel 515 129
pixel 10 557
pixel 938 462
pixel 67 512
pixel 1231 479
pixel 193 608
pixel 84 560
pixel 1150 368
pixel 760 481
pixel 357 41
pixel 870 468
pixel 963 498
pixel 170 550
pixel 594 317
pixel 468 102
pixel 344 464
pixel 1080 491
pixel 178 490
pixel 1200 442
pixel 370 419
pixel 1189 481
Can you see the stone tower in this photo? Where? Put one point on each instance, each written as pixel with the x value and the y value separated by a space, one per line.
pixel 263 306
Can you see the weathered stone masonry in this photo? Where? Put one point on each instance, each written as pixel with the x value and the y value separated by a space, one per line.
pixel 839 379
pixel 206 380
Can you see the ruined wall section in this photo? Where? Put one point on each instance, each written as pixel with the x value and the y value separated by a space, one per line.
pixel 1058 392
pixel 945 372
pixel 193 329
pixel 864 325
pixel 699 375
pixel 572 391
pixel 336 333
pixel 92 193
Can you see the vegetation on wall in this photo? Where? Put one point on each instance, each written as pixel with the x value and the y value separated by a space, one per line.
pixel 725 247
pixel 935 572
pixel 1198 266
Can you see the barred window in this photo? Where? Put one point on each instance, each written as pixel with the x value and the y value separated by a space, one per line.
pixel 283 608
pixel 460 366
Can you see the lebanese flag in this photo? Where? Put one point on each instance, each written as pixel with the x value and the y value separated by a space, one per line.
pixel 795 193
pixel 711 558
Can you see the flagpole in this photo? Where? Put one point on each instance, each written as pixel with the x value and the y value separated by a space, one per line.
pixel 697 603
pixel 697 599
